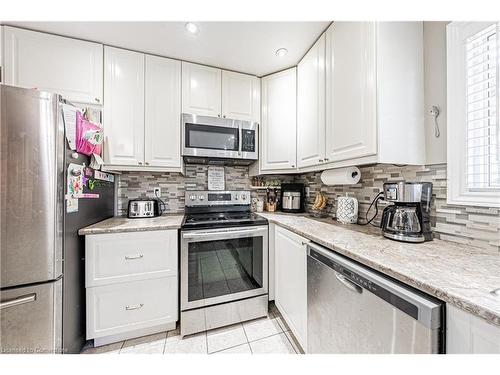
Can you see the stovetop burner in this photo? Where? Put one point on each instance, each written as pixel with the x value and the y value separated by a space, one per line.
pixel 219 209
pixel 200 220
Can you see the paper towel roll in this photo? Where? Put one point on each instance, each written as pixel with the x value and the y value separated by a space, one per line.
pixel 341 176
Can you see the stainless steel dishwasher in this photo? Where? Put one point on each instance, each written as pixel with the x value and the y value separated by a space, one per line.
pixel 353 309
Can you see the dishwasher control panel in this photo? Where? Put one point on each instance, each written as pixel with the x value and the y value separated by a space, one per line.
pixel 367 284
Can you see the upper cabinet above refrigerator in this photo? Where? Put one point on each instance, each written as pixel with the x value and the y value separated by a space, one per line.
pixel 208 91
pixel 70 67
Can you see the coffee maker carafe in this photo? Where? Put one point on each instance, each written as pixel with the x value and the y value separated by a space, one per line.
pixel 408 218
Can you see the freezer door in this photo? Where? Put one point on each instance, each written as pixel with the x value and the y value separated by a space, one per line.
pixel 31 319
pixel 32 190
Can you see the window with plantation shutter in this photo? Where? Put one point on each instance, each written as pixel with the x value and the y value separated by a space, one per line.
pixel 473 126
pixel 483 165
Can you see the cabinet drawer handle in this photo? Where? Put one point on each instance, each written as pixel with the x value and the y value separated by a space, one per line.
pixel 134 307
pixel 131 257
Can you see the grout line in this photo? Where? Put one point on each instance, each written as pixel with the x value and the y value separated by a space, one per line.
pixel 231 347
pixel 206 340
pixel 121 347
pixel 248 342
pixel 290 342
pixel 266 337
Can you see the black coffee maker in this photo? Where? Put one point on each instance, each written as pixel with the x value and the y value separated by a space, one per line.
pixel 408 218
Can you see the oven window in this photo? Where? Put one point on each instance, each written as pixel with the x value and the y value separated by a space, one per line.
pixel 212 137
pixel 218 268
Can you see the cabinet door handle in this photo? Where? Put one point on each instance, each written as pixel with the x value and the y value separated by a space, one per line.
pixel 146 163
pixel 132 257
pixel 140 163
pixel 134 307
pixel 321 160
pixel 224 116
pixel 293 166
pixel 97 100
pixel 326 159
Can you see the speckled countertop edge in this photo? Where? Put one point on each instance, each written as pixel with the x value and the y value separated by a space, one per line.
pixel 472 298
pixel 119 224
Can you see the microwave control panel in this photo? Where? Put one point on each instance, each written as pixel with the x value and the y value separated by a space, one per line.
pixel 247 140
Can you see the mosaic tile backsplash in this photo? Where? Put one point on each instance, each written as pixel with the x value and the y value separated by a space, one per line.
pixel 479 226
pixel 133 185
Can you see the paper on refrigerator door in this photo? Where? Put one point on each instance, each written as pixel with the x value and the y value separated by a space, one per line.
pixel 69 118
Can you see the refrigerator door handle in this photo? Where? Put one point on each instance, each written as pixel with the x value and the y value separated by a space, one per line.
pixel 18 301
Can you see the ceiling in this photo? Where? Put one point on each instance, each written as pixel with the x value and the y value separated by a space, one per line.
pixel 247 47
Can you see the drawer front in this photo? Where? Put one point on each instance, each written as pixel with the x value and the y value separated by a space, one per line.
pixel 119 308
pixel 122 257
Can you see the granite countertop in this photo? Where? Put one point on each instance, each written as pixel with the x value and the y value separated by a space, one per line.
pixel 458 274
pixel 119 224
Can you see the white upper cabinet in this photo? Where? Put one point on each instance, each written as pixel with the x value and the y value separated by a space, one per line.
pixel 124 107
pixel 240 96
pixel 162 112
pixel 311 106
pixel 70 67
pixel 201 90
pixel 351 123
pixel 279 121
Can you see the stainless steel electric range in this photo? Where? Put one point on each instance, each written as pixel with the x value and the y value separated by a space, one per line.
pixel 224 261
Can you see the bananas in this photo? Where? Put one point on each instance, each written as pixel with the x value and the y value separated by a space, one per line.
pixel 320 201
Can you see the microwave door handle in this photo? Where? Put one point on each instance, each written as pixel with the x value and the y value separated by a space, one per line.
pixel 240 141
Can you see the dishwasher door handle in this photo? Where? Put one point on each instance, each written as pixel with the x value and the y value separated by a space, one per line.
pixel 348 284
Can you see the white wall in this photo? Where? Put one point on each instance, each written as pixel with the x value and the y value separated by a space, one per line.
pixel 435 88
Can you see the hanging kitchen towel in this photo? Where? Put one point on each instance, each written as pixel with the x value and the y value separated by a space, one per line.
pixel 89 136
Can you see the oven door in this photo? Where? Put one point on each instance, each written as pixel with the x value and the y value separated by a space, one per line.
pixel 224 264
pixel 206 136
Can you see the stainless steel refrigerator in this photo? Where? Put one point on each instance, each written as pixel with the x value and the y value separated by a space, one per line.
pixel 42 258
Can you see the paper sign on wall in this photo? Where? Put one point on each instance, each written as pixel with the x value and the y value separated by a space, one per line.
pixel 216 178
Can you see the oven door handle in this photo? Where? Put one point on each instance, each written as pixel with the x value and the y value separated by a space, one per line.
pixel 222 233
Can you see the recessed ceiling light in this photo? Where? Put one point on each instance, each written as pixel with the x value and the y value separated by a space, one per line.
pixel 281 52
pixel 192 27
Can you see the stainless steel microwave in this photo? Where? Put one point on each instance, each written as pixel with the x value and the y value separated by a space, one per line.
pixel 213 138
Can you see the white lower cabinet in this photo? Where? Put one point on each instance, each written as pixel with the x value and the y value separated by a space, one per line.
pixel 290 281
pixel 468 334
pixel 131 284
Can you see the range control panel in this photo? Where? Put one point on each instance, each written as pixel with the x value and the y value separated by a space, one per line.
pixel 216 198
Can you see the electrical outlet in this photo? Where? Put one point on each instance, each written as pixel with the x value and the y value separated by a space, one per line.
pixel 157 192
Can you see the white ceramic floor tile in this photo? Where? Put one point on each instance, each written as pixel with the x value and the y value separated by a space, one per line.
pixel 226 337
pixel 240 349
pixel 105 349
pixel 193 344
pixel 152 344
pixel 260 328
pixel 277 344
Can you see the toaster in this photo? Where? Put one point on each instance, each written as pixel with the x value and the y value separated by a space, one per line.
pixel 138 208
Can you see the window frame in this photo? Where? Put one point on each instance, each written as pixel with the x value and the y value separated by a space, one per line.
pixel 458 192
